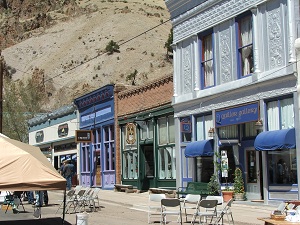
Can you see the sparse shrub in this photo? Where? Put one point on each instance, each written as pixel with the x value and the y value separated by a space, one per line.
pixel 132 77
pixel 112 47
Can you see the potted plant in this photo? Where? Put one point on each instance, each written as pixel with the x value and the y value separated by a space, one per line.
pixel 238 186
pixel 213 185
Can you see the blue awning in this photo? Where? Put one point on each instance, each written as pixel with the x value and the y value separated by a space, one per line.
pixel 276 139
pixel 199 148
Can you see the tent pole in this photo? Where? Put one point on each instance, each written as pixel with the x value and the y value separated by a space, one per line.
pixel 63 221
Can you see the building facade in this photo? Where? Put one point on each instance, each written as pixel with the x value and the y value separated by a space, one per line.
pixel 97 158
pixel 235 93
pixel 54 134
pixel 147 141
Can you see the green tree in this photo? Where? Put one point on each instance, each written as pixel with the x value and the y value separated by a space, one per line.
pixel 168 45
pixel 22 101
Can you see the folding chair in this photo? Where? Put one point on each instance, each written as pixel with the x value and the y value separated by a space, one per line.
pixel 206 208
pixel 190 202
pixel 225 211
pixel 70 197
pixel 154 205
pixel 95 198
pixel 170 206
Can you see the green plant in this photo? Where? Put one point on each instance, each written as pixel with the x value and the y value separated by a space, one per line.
pixel 213 185
pixel 238 185
pixel 112 47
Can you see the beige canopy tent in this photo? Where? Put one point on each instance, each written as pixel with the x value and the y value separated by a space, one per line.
pixel 24 168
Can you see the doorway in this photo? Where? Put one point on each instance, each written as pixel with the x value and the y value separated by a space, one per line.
pixel 147 167
pixel 253 175
pixel 98 168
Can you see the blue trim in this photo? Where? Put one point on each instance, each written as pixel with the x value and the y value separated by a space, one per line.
pixel 199 148
pixel 274 140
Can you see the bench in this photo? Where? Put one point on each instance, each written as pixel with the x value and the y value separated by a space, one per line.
pixel 124 187
pixel 198 188
pixel 168 192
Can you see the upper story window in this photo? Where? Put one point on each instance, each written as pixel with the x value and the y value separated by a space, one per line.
pixel 280 114
pixel 146 130
pixel 203 124
pixel 245 45
pixel 207 60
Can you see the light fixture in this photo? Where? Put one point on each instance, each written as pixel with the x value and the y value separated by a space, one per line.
pixel 211 132
pixel 258 124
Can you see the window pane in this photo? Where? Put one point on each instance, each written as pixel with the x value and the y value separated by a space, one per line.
pixel 200 129
pixel 207 60
pixel 287 113
pixel 171 128
pixel 282 167
pixel 245 45
pixel 150 131
pixel 228 132
pixel 162 131
pixel 273 115
pixel 250 129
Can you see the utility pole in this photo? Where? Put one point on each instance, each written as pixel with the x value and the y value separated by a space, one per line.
pixel 1 89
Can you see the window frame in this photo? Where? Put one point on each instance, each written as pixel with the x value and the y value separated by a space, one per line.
pixel 238 21
pixel 201 38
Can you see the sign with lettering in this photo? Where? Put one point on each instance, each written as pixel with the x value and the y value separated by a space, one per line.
pixel 63 130
pixel 83 136
pixel 237 115
pixel 39 136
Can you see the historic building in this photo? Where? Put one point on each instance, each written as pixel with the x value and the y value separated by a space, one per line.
pixel 235 93
pixel 54 134
pixel 146 130
pixel 97 156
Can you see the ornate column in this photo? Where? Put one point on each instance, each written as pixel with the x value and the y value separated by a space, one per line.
pixel 255 40
pixel 175 69
pixel 197 63
pixel 291 18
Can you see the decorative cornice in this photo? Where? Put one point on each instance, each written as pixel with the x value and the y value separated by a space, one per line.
pixel 144 88
pixel 207 15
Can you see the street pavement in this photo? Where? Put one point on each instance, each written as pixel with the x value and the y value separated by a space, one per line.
pixel 118 208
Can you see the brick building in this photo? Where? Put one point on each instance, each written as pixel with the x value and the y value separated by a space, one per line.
pixel 145 135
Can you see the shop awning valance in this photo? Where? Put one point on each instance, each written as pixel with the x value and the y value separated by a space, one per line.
pixel 199 148
pixel 277 139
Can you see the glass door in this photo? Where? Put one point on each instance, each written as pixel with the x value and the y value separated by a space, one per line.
pixel 253 175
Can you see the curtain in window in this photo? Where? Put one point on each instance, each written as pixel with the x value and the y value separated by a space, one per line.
pixel 287 113
pixel 199 129
pixel 228 131
pixel 246 45
pixel 208 61
pixel 273 115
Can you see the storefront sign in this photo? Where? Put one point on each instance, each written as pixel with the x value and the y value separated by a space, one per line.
pixel 63 130
pixel 130 133
pixel 39 136
pixel 237 115
pixel 83 136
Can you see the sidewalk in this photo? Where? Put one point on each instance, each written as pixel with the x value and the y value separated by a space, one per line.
pixel 119 208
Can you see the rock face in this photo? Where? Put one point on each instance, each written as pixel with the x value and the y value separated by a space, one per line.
pixel 66 39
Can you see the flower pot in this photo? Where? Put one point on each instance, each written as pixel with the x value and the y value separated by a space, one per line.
pixel 227 195
pixel 239 196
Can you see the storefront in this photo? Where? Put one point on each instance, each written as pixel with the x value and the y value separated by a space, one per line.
pixel 96 113
pixel 54 134
pixel 147 144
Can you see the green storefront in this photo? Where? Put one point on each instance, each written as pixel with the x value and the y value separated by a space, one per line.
pixel 148 149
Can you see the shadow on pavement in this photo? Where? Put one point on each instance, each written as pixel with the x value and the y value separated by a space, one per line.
pixel 43 221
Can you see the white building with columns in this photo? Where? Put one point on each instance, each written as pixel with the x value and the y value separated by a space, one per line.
pixel 235 93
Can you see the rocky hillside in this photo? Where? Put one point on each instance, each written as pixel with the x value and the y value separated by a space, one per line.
pixel 67 40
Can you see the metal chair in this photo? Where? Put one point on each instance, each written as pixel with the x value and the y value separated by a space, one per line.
pixel 70 197
pixel 190 202
pixel 154 205
pixel 206 208
pixel 170 206
pixel 225 211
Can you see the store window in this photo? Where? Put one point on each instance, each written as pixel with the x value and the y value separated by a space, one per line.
pixel 203 124
pixel 282 167
pixel 227 164
pixel 130 165
pixel 146 130
pixel 228 132
pixel 167 163
pixel 166 131
pixel 109 147
pixel 245 44
pixel 205 169
pixel 280 114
